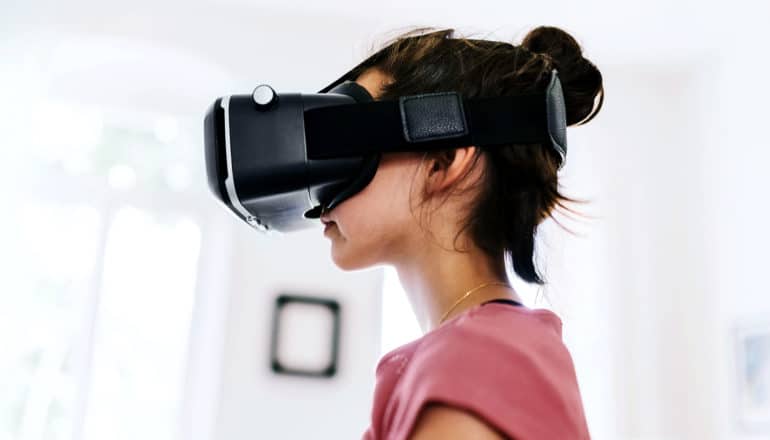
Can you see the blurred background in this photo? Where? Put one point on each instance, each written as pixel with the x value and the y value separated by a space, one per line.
pixel 134 306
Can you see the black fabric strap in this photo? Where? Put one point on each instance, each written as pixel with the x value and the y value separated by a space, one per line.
pixel 370 127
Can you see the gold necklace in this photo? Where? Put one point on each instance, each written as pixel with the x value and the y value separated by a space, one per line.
pixel 466 295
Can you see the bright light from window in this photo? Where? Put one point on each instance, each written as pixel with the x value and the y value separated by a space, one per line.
pixel 166 129
pixel 50 252
pixel 122 177
pixel 399 325
pixel 142 330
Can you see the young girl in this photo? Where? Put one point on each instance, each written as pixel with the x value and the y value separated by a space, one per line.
pixel 487 367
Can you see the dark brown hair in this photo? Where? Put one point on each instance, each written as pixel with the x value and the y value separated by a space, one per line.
pixel 519 188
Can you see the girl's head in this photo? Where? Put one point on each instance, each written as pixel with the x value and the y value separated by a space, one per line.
pixel 486 198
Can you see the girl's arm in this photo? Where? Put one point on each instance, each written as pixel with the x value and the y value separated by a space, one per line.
pixel 439 421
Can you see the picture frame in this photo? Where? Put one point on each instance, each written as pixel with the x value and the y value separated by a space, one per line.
pixel 752 376
pixel 289 348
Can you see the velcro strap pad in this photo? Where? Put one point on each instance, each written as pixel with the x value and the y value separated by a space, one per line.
pixel 431 116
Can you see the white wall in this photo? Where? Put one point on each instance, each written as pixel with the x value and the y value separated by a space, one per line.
pixel 739 181
pixel 254 402
pixel 656 263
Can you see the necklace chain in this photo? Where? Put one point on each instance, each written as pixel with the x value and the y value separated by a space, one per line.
pixel 466 295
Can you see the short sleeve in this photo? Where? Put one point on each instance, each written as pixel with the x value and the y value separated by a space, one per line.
pixel 527 391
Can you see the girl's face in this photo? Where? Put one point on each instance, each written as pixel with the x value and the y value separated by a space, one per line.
pixel 384 222
pixel 376 224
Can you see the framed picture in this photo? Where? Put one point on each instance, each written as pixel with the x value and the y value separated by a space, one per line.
pixel 752 390
pixel 305 335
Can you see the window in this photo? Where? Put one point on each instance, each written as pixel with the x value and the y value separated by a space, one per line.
pixel 100 250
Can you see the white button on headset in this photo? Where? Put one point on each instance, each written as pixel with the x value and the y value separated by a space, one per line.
pixel 263 95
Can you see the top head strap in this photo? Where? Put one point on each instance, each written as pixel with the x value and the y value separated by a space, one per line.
pixel 337 131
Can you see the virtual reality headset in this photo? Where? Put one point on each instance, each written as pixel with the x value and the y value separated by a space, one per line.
pixel 277 160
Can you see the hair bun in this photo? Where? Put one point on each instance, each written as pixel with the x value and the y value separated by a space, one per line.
pixel 580 78
pixel 554 42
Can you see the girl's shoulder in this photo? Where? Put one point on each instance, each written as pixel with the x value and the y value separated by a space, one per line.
pixel 501 327
pixel 507 364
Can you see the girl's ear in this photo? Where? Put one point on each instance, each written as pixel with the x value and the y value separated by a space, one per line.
pixel 447 167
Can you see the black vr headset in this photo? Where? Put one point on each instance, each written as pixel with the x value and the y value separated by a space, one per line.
pixel 277 160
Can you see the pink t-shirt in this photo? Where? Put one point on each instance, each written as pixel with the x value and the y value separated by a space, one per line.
pixel 506 364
